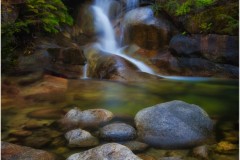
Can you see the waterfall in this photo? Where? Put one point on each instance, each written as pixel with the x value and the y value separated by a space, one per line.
pixel 131 4
pixel 106 33
pixel 85 72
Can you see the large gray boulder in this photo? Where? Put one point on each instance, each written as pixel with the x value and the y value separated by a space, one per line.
pixel 173 124
pixel 109 151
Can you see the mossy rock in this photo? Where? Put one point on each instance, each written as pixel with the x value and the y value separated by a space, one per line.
pixel 220 20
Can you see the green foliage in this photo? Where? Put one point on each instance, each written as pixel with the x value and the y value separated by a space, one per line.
pixel 178 9
pixel 35 16
pixel 231 24
pixel 47 14
pixel 203 3
pixel 156 7
pixel 205 27
pixel 184 8
pixel 171 6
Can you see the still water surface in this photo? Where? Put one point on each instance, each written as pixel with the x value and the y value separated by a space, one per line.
pixel 218 97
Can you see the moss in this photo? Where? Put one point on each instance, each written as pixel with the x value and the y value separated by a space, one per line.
pixel 220 20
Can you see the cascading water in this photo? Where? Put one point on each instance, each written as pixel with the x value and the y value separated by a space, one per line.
pixel 85 72
pixel 131 4
pixel 106 34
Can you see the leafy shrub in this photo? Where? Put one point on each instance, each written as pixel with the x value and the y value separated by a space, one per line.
pixel 178 9
pixel 35 16
pixel 205 27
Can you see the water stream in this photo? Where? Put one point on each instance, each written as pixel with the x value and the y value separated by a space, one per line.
pixel 106 33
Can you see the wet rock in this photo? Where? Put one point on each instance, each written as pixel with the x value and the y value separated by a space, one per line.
pixel 201 152
pixel 169 64
pixel 231 136
pixel 21 133
pixel 73 56
pixel 66 62
pixel 107 151
pixel 225 157
pixel 30 78
pixel 11 151
pixel 117 132
pixel 89 118
pixel 47 114
pixel 146 157
pixel 58 141
pixel 61 150
pixel 80 138
pixel 145 30
pixel 215 48
pixel 170 158
pixel 136 146
pixel 173 124
pixel 176 153
pixel 50 89
pixel 226 147
pixel 103 65
pixel 33 124
pixel 37 142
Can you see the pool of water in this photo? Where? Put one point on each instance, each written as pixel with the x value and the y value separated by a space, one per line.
pixel 219 98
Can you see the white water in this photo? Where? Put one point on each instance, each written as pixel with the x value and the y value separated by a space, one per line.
pixel 107 37
pixel 131 4
pixel 85 72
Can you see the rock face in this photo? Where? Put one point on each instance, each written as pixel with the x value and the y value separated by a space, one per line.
pixel 11 151
pixel 109 151
pixel 102 65
pixel 200 55
pixel 143 29
pixel 88 118
pixel 216 48
pixel 117 132
pixel 80 138
pixel 173 124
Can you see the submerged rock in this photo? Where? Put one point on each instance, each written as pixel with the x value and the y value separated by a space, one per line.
pixel 80 138
pixel 85 119
pixel 226 147
pixel 173 124
pixel 47 113
pixel 201 152
pixel 136 146
pixel 37 142
pixel 146 157
pixel 117 132
pixel 107 151
pixel 12 151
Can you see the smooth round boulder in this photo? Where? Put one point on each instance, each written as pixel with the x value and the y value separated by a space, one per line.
pixel 117 132
pixel 91 118
pixel 81 138
pixel 107 151
pixel 173 125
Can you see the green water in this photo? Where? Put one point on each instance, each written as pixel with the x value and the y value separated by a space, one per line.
pixel 219 98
